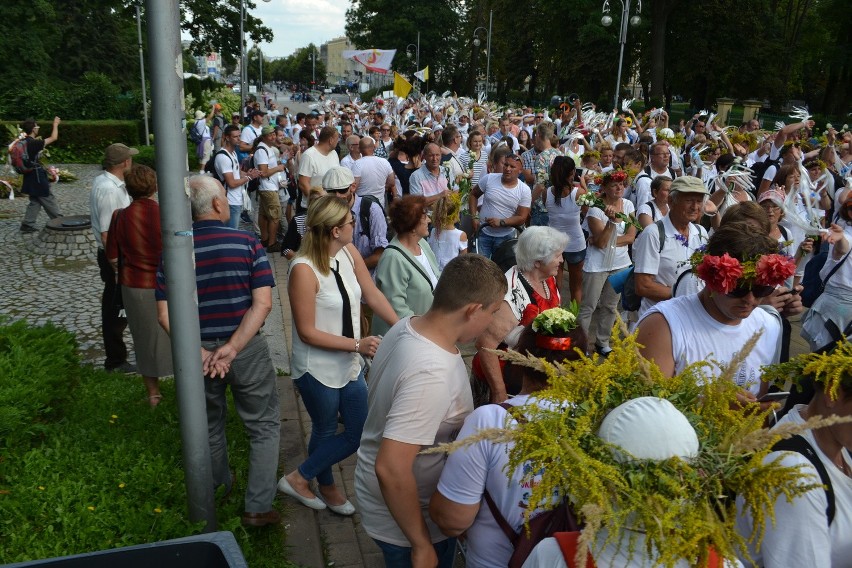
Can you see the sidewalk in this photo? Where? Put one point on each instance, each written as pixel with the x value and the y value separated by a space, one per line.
pixel 314 538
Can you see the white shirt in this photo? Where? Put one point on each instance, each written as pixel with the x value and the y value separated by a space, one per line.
pixel 249 133
pixel 565 217
pixel 314 165
pixel 407 370
pixel 667 265
pixel 227 163
pixel 373 173
pixel 348 162
pixel 501 202
pixel 108 194
pixel 595 257
pixel 696 336
pixel 265 155
pixel 801 535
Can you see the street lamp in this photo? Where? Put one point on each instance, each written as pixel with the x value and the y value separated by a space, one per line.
pixel 417 50
pixel 243 70
pixel 477 43
pixel 635 20
pixel 142 72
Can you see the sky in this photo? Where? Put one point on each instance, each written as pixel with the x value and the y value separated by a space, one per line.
pixel 297 23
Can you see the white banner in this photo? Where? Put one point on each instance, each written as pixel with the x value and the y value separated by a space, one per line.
pixel 375 60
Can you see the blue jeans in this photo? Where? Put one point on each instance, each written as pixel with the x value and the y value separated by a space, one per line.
pixel 400 556
pixel 487 244
pixel 234 221
pixel 323 404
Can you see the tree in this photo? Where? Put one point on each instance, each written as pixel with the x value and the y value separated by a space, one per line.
pixel 215 26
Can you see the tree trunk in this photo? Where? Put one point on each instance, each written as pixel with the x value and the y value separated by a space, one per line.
pixel 660 10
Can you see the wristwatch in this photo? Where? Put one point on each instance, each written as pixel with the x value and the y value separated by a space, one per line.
pixel 502 222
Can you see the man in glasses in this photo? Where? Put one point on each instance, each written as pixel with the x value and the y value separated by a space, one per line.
pixel 661 252
pixel 740 267
pixel 657 166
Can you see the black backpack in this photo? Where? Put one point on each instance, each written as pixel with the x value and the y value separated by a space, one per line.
pixel 364 213
pixel 799 445
pixel 210 166
pixel 759 169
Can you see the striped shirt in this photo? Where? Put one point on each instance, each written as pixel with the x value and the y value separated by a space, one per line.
pixel 229 264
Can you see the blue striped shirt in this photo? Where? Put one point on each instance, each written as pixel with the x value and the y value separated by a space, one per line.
pixel 229 264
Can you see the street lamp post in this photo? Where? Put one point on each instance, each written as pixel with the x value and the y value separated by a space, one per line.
pixel 142 72
pixel 417 52
pixel 635 20
pixel 313 68
pixel 477 42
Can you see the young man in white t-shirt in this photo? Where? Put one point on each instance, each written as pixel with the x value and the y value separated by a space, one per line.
pixel 228 171
pixel 715 323
pixel 315 161
pixel 418 361
pixel 269 215
pixel 373 174
pixel 505 205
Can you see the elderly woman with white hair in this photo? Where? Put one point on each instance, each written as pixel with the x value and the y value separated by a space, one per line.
pixel 532 289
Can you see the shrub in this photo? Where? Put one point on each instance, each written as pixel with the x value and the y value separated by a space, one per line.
pixel 38 369
pixel 82 142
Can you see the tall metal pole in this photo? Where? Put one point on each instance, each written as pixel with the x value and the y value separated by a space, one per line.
pixel 313 68
pixel 488 55
pixel 260 60
pixel 178 258
pixel 625 13
pixel 242 57
pixel 142 73
pixel 418 51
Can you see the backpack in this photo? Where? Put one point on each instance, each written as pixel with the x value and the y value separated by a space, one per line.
pixel 254 184
pixel 759 169
pixel 195 134
pixel 813 285
pixel 20 157
pixel 210 166
pixel 545 524
pixel 799 445
pixel 630 300
pixel 364 213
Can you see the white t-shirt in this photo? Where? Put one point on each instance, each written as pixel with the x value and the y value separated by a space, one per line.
pixel 265 155
pixel 642 185
pixel 446 245
pixel 652 210
pixel 418 394
pixel 501 202
pixel 595 257
pixel 314 165
pixel 667 265
pixel 374 172
pixel 427 268
pixel 565 217
pixel 471 470
pixel 249 133
pixel 801 535
pixel 226 162
pixel 696 336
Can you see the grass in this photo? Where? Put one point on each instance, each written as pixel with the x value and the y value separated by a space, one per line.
pixel 90 466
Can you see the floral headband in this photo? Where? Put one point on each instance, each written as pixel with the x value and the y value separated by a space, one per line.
pixel 723 273
pixel 552 327
pixel 612 175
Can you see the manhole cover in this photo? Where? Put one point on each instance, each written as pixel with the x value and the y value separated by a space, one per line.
pixel 75 222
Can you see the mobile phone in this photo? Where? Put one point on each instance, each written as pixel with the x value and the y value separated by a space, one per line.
pixel 773 396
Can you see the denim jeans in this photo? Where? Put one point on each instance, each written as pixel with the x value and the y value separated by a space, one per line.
pixel 234 221
pixel 487 244
pixel 328 447
pixel 400 556
pixel 255 391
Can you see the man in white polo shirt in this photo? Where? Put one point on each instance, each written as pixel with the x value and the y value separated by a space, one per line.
pixel 269 215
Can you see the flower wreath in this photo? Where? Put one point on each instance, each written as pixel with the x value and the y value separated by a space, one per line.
pixel 553 326
pixel 725 273
pixel 612 175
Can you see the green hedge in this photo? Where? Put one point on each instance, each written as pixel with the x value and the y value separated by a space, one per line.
pixel 82 141
pixel 38 369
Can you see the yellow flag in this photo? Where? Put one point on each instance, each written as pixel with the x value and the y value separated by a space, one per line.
pixel 401 87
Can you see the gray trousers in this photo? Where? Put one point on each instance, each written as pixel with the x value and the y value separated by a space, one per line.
pixel 599 307
pixel 255 391
pixel 36 203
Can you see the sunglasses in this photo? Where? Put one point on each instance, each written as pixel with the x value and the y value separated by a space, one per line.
pixel 338 189
pixel 756 290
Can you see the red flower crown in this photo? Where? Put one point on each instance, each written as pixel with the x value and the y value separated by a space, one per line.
pixel 723 273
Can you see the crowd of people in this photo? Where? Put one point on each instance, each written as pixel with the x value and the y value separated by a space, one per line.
pixel 413 226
